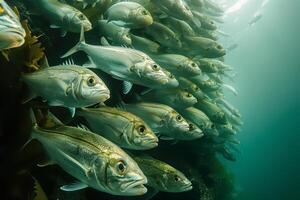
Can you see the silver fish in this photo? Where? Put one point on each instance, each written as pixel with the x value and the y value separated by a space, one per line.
pixel 206 22
pixel 93 160
pixel 161 118
pixel 145 44
pixel 62 16
pixel 86 3
pixel 122 128
pixel 12 33
pixel 212 110
pixel 162 176
pixel 186 84
pixel 67 86
pixel 117 34
pixel 175 8
pixel 180 27
pixel 174 98
pixel 177 64
pixel 129 15
pixel 123 63
pixel 164 35
pixel 200 119
pixel 204 46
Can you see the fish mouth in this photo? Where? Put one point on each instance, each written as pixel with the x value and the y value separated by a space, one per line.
pixel 150 143
pixel 104 96
pixel 136 187
pixel 187 187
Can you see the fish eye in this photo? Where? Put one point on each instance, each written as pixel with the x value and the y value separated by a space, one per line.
pixel 91 81
pixel 141 129
pixel 219 47
pixel 195 88
pixel 179 118
pixel 155 67
pixel 176 178
pixel 144 12
pixel 171 76
pixel 194 64
pixel 121 167
pixel 81 17
pixel 213 126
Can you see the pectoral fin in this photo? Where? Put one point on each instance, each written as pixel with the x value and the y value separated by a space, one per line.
pixel 127 86
pixel 74 186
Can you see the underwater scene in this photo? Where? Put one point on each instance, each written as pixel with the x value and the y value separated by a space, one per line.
pixel 149 99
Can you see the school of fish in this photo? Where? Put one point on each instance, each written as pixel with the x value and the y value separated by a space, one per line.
pixel 164 55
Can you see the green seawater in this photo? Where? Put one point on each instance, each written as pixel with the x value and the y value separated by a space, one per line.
pixel 268 64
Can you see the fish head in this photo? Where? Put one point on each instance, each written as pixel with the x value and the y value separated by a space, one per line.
pixel 75 20
pixel 123 176
pixel 177 122
pixel 91 88
pixel 172 81
pixel 190 67
pixel 193 133
pixel 142 136
pixel 186 98
pixel 210 129
pixel 151 72
pixel 12 33
pixel 176 181
pixel 215 50
pixel 141 17
pixel 226 129
pixel 219 116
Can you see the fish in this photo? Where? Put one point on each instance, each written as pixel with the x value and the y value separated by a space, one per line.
pixel 117 34
pixel 161 118
pixel 129 15
pixel 70 86
pixel 132 66
pixel 204 46
pixel 177 64
pixel 12 34
pixel 212 110
pixel 86 3
pixel 163 35
pixel 201 120
pixel 193 4
pixel 230 107
pixel 174 8
pixel 180 27
pixel 256 17
pixel 62 16
pixel 206 65
pixel 162 176
pixel 173 97
pixel 90 158
pixel 213 6
pixel 188 85
pixel 206 85
pixel 206 21
pixel 121 127
pixel 207 34
pixel 225 129
pixel 144 44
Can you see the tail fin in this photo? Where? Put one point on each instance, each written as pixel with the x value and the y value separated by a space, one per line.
pixel 77 46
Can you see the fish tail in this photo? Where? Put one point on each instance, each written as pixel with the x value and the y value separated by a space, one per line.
pixel 77 47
